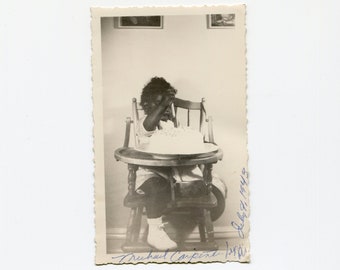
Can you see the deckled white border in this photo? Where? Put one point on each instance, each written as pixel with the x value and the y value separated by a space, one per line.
pixel 238 251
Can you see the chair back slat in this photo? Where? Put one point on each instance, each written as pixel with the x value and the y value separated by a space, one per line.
pixel 127 132
pixel 188 118
pixel 187 104
pixel 202 114
pixel 136 107
pixel 135 118
pixel 210 130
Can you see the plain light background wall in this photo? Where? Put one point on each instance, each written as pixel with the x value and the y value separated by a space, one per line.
pixel 46 168
pixel 199 62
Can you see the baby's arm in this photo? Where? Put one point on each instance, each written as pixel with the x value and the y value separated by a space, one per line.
pixel 152 119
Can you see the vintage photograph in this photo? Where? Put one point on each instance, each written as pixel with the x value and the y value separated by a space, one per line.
pixel 131 22
pixel 221 20
pixel 170 132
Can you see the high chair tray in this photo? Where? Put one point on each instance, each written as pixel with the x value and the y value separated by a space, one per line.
pixel 208 149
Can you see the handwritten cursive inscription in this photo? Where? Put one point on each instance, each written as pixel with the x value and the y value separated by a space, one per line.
pixel 174 256
pixel 231 252
pixel 133 257
pixel 242 214
pixel 238 251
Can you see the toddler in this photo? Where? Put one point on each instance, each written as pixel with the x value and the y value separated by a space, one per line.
pixel 153 182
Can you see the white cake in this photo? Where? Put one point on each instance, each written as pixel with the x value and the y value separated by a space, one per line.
pixel 176 141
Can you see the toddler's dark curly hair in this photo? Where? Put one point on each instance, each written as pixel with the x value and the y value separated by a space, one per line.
pixel 156 86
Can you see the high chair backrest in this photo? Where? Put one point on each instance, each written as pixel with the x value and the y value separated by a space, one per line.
pixel 188 106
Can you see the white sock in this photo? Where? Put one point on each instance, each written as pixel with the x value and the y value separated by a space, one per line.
pixel 157 237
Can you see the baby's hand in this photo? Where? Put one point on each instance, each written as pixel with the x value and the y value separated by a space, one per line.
pixel 171 92
pixel 167 99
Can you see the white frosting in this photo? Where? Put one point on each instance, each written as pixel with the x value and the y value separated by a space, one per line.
pixel 176 141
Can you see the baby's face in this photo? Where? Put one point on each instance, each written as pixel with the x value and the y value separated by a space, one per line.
pixel 156 102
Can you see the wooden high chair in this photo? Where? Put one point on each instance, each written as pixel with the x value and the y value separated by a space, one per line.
pixel 201 208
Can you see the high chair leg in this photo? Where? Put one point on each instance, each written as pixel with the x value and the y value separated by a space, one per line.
pixel 137 224
pixel 209 225
pixel 201 229
pixel 130 227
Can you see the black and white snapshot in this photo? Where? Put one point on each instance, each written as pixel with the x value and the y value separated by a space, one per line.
pixel 170 133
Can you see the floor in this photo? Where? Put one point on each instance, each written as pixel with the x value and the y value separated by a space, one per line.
pixel 114 246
